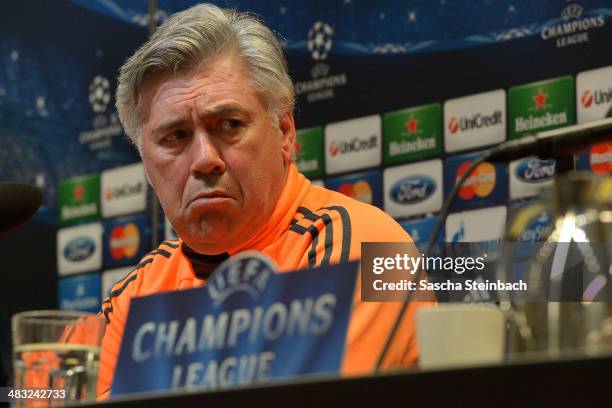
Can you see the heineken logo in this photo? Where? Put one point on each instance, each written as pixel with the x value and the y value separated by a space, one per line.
pixel 412 126
pixel 79 192
pixel 403 147
pixel 540 100
pixel 536 122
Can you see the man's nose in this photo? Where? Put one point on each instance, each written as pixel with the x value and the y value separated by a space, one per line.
pixel 207 157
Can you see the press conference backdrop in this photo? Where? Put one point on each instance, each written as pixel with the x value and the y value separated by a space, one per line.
pixel 393 101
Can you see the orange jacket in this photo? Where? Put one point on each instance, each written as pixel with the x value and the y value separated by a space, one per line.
pixel 310 226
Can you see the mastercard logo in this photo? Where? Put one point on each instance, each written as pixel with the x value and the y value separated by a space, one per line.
pixel 600 158
pixel 480 183
pixel 360 191
pixel 124 241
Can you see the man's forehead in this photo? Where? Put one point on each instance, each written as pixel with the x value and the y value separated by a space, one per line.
pixel 165 93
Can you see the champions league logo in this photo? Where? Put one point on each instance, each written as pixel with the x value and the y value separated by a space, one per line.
pixel 99 94
pixel 320 40
pixel 105 125
pixel 322 85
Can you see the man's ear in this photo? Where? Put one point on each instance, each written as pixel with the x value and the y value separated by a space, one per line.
pixel 286 125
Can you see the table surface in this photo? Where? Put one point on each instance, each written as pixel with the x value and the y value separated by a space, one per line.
pixel 575 380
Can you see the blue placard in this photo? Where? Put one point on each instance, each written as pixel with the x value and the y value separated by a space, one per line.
pixel 365 186
pixel 80 293
pixel 488 186
pixel 247 324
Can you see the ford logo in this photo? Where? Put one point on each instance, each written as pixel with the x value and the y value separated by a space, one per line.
pixel 535 170
pixel 413 189
pixel 79 249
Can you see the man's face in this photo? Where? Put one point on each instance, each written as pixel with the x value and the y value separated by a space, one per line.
pixel 213 154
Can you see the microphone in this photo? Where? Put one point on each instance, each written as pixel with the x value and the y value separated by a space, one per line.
pixel 565 141
pixel 18 203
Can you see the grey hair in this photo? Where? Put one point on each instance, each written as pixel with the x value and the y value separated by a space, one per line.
pixel 191 38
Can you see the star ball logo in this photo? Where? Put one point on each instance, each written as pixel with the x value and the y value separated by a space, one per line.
pixel 480 183
pixel 320 40
pixel 99 94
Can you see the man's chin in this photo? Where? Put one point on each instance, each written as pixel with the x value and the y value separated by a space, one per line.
pixel 208 245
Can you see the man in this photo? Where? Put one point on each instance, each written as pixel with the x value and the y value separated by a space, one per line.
pixel 208 102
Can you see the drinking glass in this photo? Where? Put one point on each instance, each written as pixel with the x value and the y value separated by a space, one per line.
pixel 56 356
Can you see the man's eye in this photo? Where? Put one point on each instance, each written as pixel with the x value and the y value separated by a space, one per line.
pixel 229 125
pixel 175 136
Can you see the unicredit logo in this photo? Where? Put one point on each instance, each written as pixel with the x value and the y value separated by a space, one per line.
pixel 353 146
pixel 476 121
pixel 122 191
pixel 599 97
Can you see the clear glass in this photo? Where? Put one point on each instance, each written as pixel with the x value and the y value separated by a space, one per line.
pixel 56 350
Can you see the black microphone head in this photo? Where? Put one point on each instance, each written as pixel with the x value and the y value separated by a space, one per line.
pixel 18 203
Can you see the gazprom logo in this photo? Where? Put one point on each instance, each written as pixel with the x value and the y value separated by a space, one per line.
pixel 247 273
pixel 534 170
pixel 79 249
pixel 413 189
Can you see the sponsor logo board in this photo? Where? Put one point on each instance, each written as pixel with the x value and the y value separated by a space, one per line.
pixel 412 134
pixel 79 199
pixel 365 186
pixel 475 120
pixel 594 94
pixel 80 293
pixel 79 249
pixel 413 189
pixel 124 190
pixel 309 152
pixel 540 106
pixel 352 144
